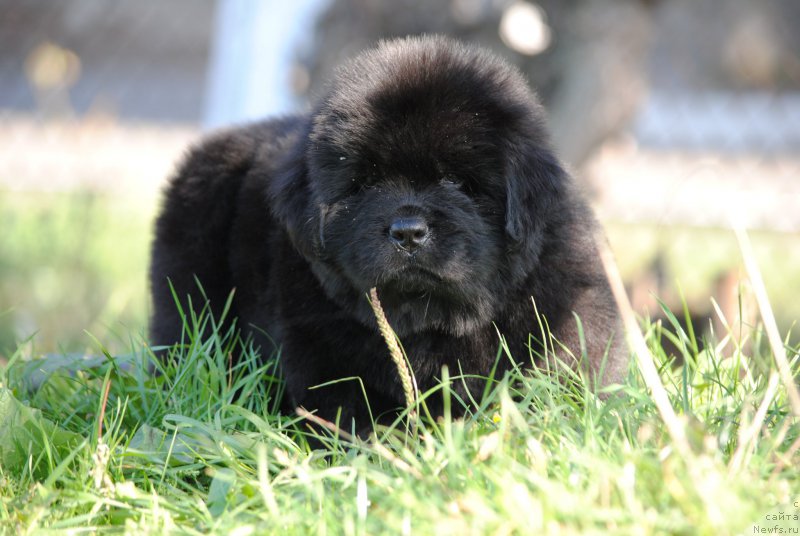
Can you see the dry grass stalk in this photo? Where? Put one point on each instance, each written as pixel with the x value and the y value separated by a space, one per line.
pixel 768 317
pixel 409 386
pixel 748 435
pixel 328 425
pixel 675 426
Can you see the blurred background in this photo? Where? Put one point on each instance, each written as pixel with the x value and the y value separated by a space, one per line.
pixel 675 116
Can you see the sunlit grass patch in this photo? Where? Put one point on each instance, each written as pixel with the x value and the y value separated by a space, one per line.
pixel 201 447
pixel 102 437
pixel 72 262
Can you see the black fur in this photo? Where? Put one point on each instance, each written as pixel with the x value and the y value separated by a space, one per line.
pixel 294 214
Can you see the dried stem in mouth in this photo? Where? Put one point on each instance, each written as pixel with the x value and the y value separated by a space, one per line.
pixel 394 350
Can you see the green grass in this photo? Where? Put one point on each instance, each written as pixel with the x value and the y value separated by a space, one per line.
pixel 72 263
pixel 104 445
pixel 108 446
pixel 695 257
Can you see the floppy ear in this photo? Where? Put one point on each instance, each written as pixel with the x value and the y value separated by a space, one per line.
pixel 290 199
pixel 534 191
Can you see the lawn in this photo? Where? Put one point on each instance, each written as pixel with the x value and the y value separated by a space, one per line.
pixel 72 264
pixel 101 444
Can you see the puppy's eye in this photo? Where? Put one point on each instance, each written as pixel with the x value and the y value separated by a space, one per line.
pixel 450 180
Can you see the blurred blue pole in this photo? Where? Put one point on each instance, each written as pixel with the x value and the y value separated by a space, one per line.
pixel 251 57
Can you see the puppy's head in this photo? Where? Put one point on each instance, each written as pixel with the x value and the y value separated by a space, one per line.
pixel 425 173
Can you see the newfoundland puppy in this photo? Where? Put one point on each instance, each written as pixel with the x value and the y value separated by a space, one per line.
pixel 425 172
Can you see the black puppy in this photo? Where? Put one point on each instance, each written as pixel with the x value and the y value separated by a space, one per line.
pixel 425 172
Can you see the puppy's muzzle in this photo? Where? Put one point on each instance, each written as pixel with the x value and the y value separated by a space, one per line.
pixel 409 233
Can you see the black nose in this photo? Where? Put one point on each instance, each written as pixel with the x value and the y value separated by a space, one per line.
pixel 409 233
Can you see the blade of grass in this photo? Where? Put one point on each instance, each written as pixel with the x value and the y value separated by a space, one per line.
pixel 778 350
pixel 644 359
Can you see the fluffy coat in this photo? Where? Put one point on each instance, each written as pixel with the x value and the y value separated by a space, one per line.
pixel 300 215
